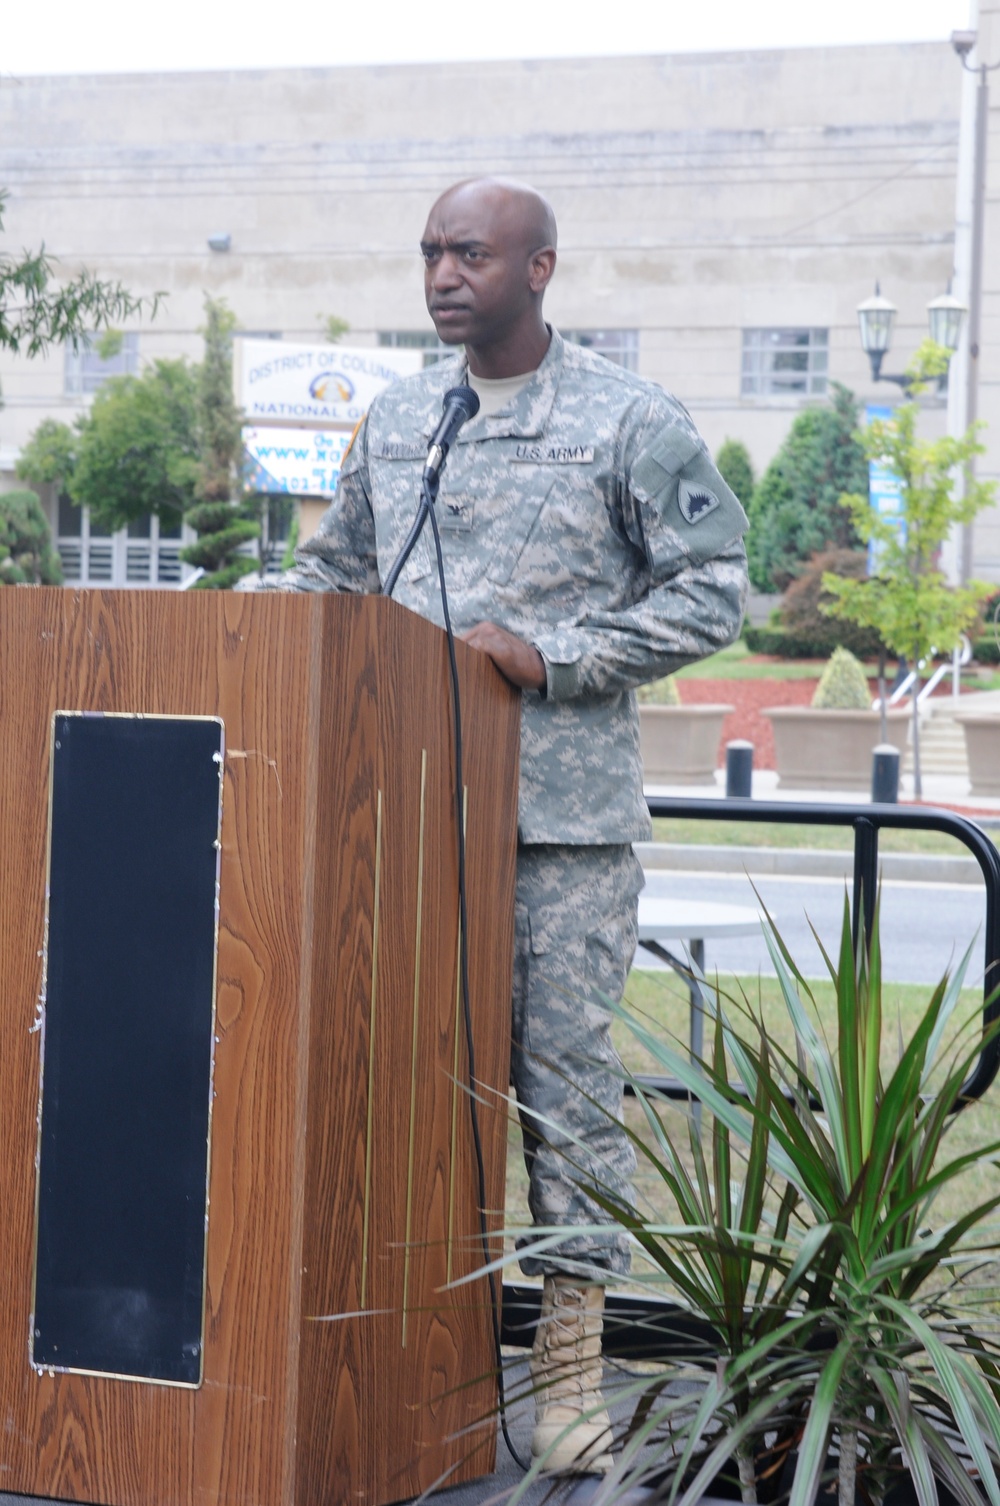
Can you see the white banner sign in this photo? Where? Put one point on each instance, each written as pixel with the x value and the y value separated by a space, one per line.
pixel 304 461
pixel 316 384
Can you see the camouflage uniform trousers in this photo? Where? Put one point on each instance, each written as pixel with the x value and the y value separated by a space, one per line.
pixel 575 931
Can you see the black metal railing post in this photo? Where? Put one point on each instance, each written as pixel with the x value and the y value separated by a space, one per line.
pixel 865 878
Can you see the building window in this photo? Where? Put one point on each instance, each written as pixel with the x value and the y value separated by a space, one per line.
pixel 146 553
pixel 87 370
pixel 785 362
pixel 618 345
pixel 426 340
pixel 277 518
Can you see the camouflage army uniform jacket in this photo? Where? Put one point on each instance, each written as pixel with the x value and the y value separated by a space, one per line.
pixel 587 518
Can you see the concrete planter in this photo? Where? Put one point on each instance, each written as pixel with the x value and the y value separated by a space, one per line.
pixel 982 747
pixel 830 750
pixel 680 744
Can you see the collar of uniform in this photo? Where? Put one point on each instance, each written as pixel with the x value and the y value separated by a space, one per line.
pixel 526 416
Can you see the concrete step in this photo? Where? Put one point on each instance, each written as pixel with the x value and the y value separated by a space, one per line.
pixel 942 745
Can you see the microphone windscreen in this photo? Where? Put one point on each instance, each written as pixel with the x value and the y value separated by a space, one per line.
pixel 464 397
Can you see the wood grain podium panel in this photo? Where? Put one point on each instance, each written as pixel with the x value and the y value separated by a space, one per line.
pixel 335 1366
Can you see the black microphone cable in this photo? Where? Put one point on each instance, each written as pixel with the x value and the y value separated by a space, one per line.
pixel 428 492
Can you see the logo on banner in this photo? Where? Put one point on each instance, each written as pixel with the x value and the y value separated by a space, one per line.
pixel 331 387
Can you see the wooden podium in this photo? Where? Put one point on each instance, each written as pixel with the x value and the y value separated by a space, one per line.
pixel 334 1364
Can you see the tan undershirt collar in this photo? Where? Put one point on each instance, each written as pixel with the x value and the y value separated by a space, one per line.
pixel 495 393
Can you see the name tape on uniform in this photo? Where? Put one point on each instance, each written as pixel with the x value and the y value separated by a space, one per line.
pixel 555 454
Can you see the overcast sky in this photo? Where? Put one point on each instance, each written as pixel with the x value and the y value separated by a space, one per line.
pixel 86 36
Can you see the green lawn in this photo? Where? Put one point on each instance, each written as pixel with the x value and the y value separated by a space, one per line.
pixel 768 834
pixel 660 1000
pixel 737 663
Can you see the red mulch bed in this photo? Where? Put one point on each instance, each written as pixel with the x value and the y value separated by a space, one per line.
pixel 749 698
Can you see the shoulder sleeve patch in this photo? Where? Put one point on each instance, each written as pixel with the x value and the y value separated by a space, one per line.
pixel 688 513
pixel 695 501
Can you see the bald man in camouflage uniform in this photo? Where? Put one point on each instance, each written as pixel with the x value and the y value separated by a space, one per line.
pixel 589 546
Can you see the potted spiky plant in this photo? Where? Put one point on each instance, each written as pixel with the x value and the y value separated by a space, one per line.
pixel 845 1344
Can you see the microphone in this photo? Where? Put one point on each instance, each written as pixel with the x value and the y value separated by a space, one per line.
pixel 460 404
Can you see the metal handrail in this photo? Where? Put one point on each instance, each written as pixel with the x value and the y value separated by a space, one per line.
pixel 961 656
pixel 868 821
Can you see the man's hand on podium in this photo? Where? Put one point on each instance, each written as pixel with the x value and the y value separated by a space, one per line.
pixel 519 662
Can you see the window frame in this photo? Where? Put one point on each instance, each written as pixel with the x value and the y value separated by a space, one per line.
pixel 769 364
pixel 85 372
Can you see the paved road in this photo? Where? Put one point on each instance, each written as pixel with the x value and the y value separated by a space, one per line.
pixel 925 927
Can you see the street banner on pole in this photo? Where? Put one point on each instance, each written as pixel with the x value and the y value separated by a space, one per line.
pixel 885 492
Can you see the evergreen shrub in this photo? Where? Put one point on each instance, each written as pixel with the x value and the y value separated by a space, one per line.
pixel 736 469
pixel 26 552
pixel 660 693
pixel 796 509
pixel 843 685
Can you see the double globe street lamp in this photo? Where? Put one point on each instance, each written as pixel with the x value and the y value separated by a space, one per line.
pixel 875 320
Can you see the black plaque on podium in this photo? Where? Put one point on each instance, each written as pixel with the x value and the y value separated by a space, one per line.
pixel 128 1016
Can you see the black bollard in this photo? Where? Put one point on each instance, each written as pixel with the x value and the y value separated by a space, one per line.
pixel 739 770
pixel 885 774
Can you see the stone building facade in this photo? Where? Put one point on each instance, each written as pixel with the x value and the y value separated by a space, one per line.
pixel 721 215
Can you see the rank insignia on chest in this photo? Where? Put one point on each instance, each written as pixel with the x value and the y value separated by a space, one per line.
pixel 455 514
pixel 695 501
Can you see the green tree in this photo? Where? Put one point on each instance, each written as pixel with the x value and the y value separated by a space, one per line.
pixel 220 521
pixel 795 510
pixel 138 447
pixel 36 312
pixel 909 602
pixel 334 328
pixel 26 552
pixel 49 456
pixel 735 468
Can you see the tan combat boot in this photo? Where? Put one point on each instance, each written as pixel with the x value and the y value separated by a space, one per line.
pixel 566 1369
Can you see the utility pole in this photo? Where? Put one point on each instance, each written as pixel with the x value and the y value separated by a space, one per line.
pixel 963 42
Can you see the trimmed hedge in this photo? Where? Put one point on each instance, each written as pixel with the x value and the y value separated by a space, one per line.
pixel 986 650
pixel 782 644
